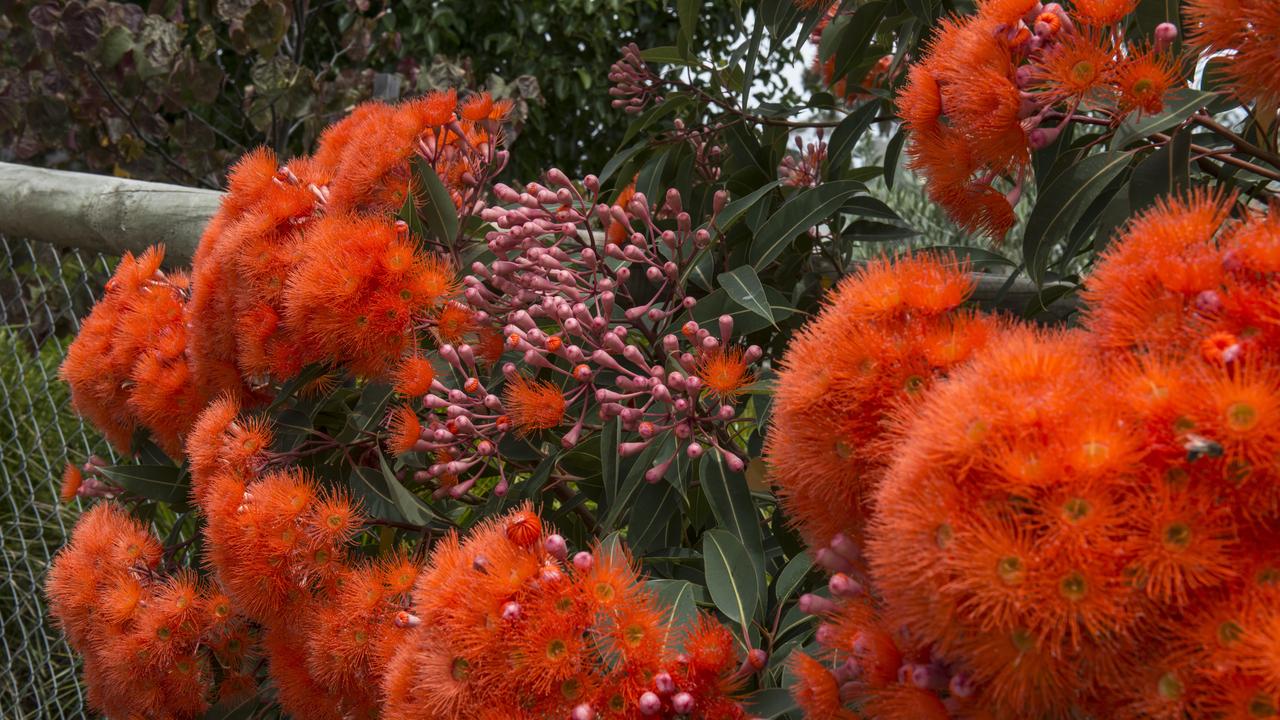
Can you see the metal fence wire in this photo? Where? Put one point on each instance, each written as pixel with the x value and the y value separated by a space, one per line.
pixel 44 292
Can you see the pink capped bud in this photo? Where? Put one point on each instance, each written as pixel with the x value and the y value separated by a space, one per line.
pixel 646 430
pixel 583 712
pixel 718 201
pixel 846 547
pixel 726 328
pixel 556 546
pixel 732 461
pixel 557 177
pixel 664 683
pixel 811 604
pixel 694 451
pixel 841 585
pixel 480 564
pixel 1166 35
pixel 682 703
pixel 650 704
pixel 725 412
pixel 1043 137
pixel 511 611
pixel 591 183
pixel 757 659
pixel 583 561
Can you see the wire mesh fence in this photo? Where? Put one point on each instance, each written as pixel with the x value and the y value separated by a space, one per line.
pixel 44 291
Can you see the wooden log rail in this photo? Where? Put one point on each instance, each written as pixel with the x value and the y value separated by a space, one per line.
pixel 113 215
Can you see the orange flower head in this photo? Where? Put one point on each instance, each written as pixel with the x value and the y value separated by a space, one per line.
pixel 816 691
pixel 533 405
pixel 1250 29
pixel 413 376
pixel 404 430
pixel 1076 67
pixel 435 108
pixel 477 107
pixel 72 478
pixel 724 372
pixel 1101 13
pixel 453 323
pixel 1143 79
pixel 905 702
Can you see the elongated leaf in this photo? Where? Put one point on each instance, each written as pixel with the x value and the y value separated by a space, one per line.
pixel 892 156
pixel 770 703
pixel 855 41
pixel 867 206
pixel 411 507
pixel 655 518
pixel 377 499
pixel 687 12
pixel 1178 106
pixel 618 160
pixel 678 598
pixel 736 209
pixel 804 210
pixel 1061 204
pixel 744 321
pixel 610 436
pixel 660 448
pixel 438 212
pixel 872 231
pixel 792 575
pixel 166 483
pixel 744 287
pixel 731 576
pixel 845 137
pixel 731 502
pixel 1162 174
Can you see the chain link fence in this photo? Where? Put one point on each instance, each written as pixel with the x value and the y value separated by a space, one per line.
pixel 44 291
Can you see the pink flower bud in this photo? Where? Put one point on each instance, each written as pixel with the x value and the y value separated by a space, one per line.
pixel 841 585
pixel 650 704
pixel 694 451
pixel 511 611
pixel 556 546
pixel 583 561
pixel 583 712
pixel 811 604
pixel 682 703
pixel 664 683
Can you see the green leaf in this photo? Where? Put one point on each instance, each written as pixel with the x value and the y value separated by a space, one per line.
pixel 240 708
pixel 621 158
pixel 804 210
pixel 792 575
pixel 745 288
pixel 892 153
pixel 377 498
pixel 411 507
pixel 679 601
pixel 856 40
pixel 659 448
pixel 1164 173
pixel 745 321
pixel 665 55
pixel 770 703
pixel 731 576
pixel 1178 106
pixel 736 209
pixel 1062 203
pixel 868 206
pixel 845 137
pixel 440 214
pixel 291 388
pixel 731 503
pixel 117 41
pixel 655 517
pixel 610 436
pixel 165 483
pixel 687 12
pixel 872 231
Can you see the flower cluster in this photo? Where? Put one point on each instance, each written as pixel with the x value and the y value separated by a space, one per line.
pixel 508 625
pixel 150 640
pixel 1076 522
pixel 589 295
pixel 885 334
pixel 996 85
pixel 127 368
pixel 1251 30
pixel 305 262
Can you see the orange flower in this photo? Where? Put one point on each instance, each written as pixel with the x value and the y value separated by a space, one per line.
pixel 72 478
pixel 724 371
pixel 404 430
pixel 1142 78
pixel 1077 67
pixel 1103 12
pixel 414 375
pixel 816 690
pixel 1249 28
pixel 533 405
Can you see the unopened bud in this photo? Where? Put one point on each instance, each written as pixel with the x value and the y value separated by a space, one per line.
pixel 556 546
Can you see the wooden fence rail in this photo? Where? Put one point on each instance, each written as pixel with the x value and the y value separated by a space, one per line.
pixel 112 215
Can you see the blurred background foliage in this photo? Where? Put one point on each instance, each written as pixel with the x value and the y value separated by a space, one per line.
pixel 174 90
